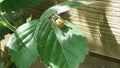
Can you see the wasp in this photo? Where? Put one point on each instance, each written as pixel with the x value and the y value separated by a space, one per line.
pixel 58 21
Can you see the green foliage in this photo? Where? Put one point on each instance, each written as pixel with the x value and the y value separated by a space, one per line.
pixel 73 44
pixel 58 48
pixel 22 46
pixel 9 5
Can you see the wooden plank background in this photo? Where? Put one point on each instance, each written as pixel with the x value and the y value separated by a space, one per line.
pixel 100 22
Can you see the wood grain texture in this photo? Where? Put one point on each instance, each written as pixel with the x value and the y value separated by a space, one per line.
pixel 100 22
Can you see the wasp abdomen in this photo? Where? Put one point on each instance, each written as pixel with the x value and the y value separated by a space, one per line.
pixel 58 21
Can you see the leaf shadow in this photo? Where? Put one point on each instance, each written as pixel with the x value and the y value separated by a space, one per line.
pixel 21 42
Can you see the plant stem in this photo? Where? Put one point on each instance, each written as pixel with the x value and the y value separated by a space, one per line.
pixel 6 23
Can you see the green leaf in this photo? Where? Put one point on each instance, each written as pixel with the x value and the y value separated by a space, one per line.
pixel 22 45
pixel 9 5
pixel 54 52
pixel 73 44
pixel 60 48
pixel 63 7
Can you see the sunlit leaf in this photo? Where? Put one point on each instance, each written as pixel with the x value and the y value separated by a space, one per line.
pixel 57 48
pixel 73 44
pixel 61 48
pixel 22 45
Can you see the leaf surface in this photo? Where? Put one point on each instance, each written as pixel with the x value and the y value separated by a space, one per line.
pixel 22 45
pixel 61 48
